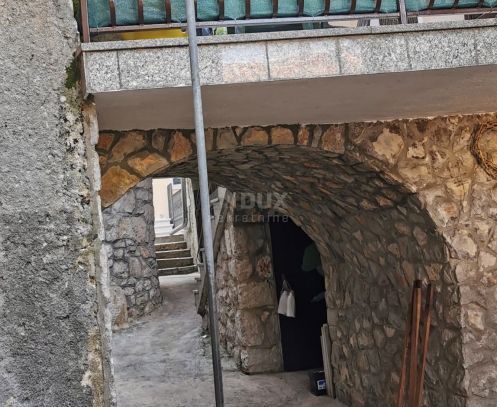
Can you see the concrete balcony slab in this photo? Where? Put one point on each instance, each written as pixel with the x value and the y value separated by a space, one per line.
pixel 332 75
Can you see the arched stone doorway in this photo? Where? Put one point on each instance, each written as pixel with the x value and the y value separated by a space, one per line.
pixel 385 202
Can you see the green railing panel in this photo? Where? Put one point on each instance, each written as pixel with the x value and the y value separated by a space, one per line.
pixel 208 10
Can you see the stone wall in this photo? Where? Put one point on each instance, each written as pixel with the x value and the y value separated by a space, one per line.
pixel 385 202
pixel 373 260
pixel 248 319
pixel 129 238
pixel 51 346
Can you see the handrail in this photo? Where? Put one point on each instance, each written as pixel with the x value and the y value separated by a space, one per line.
pixel 402 14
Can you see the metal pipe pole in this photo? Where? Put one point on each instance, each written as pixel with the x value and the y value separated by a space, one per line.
pixel 204 200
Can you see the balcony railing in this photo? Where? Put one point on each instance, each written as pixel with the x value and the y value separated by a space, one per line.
pixel 113 16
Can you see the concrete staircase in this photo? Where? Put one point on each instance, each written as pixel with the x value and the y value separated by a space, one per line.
pixel 173 256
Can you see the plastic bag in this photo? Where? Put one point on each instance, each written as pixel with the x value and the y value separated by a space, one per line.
pixel 282 306
pixel 290 307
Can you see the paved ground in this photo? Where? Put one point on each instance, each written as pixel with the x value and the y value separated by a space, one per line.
pixel 163 362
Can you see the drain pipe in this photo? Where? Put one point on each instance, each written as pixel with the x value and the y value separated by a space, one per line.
pixel 204 200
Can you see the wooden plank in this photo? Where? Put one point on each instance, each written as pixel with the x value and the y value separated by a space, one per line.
pixel 326 349
pixel 424 344
pixel 414 342
pixel 405 353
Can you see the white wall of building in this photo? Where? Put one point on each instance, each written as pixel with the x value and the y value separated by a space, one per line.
pixel 163 225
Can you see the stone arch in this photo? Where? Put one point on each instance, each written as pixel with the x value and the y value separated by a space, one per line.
pixel 385 202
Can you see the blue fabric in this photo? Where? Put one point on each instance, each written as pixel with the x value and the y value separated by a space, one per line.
pixel 208 10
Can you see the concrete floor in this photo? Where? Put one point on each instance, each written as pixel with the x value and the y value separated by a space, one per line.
pixel 163 361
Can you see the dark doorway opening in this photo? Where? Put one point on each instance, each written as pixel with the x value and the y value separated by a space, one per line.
pixel 300 336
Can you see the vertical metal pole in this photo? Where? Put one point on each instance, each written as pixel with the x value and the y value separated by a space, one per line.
pixel 204 200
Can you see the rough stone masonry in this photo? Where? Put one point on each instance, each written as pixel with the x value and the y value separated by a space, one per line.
pixel 385 202
pixel 50 344
pixel 246 296
pixel 129 240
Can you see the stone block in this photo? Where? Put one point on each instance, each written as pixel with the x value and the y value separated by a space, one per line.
pixel 281 135
pixel 154 68
pixel 179 147
pixel 119 307
pixel 255 136
pixel 249 328
pixel 333 139
pixel 256 294
pixel 115 182
pixel 102 71
pixel 261 360
pixel 376 54
pixel 128 143
pixel 147 163
pixel 234 63
pixel 302 59
pixel 388 146
pixel 442 49
pixel 226 139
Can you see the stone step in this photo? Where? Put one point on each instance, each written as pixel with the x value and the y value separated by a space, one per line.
pixel 170 239
pixel 171 254
pixel 164 247
pixel 174 262
pixel 172 271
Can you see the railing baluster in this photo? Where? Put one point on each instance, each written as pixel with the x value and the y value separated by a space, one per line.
pixel 301 7
pixel 456 3
pixel 112 10
pixel 221 9
pixel 430 4
pixel 275 8
pixel 85 24
pixel 247 9
pixel 378 6
pixel 327 7
pixel 403 12
pixel 168 11
pixel 353 6
pixel 141 19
